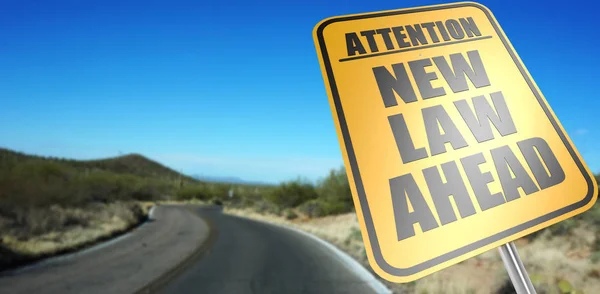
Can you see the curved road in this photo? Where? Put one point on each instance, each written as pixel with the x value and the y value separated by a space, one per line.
pixel 250 257
pixel 223 255
pixel 122 265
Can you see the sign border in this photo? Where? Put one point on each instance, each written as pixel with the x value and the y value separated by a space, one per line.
pixel 366 211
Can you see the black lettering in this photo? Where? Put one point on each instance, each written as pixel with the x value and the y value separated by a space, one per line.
pixel 354 45
pixel 416 35
pixel 370 40
pixel 429 26
pixel 387 40
pixel 400 37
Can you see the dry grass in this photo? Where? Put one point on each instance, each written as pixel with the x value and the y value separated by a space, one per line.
pixel 34 233
pixel 564 260
pixel 553 262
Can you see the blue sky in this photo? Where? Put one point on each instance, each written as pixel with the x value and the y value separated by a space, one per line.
pixel 231 88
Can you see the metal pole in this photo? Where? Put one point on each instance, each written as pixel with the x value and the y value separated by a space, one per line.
pixel 516 270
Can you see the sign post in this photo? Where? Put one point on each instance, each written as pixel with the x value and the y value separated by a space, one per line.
pixel 451 150
pixel 516 271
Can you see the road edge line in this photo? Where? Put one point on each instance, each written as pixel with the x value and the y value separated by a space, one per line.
pixel 163 279
pixel 348 261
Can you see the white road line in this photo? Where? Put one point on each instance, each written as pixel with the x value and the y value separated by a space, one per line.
pixel 350 263
pixel 151 211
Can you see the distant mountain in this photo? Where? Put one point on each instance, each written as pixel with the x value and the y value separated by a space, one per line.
pixel 230 180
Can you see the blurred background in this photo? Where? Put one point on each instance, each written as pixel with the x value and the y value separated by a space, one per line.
pixel 110 107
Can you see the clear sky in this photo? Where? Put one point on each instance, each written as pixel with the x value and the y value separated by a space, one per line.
pixel 232 88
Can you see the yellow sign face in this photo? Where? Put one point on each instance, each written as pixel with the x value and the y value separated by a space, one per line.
pixel 451 149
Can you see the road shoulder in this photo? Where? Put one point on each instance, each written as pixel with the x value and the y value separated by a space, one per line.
pixel 332 244
pixel 171 236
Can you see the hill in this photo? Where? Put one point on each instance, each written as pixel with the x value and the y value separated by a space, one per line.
pixel 133 164
pixel 37 181
pixel 50 205
pixel 53 205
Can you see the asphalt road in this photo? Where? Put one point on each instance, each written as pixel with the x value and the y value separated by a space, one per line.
pixel 198 250
pixel 123 265
pixel 250 257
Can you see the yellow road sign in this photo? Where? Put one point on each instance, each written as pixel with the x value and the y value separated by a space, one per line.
pixel 450 148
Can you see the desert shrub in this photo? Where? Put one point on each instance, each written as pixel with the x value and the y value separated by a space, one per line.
pixel 245 201
pixel 334 193
pixel 337 207
pixel 240 202
pixel 28 222
pixel 243 196
pixel 290 214
pixel 218 191
pixel 100 186
pixel 148 190
pixel 335 187
pixel 354 235
pixel 35 221
pixel 292 193
pixel 564 227
pixel 266 207
pixel 189 192
pixel 313 208
pixel 591 216
pixel 41 183
pixel 319 208
pixel 36 183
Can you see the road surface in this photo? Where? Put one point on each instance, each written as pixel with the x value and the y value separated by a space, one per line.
pixel 120 266
pixel 251 257
pixel 212 253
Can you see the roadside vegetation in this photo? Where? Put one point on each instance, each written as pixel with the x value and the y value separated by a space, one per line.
pixel 301 198
pixel 564 258
pixel 52 205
